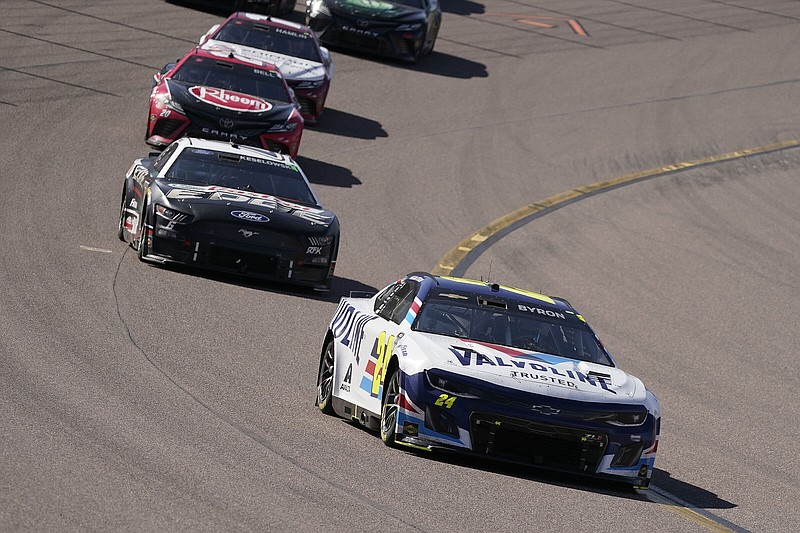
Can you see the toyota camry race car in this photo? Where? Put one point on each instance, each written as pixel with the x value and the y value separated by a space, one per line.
pixel 211 95
pixel 439 363
pixel 293 48
pixel 229 208
pixel 403 29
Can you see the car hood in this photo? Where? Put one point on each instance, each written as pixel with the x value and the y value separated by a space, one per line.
pixel 374 9
pixel 292 68
pixel 228 103
pixel 525 370
pixel 215 202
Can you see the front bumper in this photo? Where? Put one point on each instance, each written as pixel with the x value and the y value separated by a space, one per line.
pixel 381 39
pixel 278 257
pixel 503 427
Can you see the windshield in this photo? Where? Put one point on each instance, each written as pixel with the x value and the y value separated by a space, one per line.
pixel 279 40
pixel 465 318
pixel 245 79
pixel 254 174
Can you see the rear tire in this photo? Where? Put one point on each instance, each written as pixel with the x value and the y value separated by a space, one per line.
pixel 325 379
pixel 389 409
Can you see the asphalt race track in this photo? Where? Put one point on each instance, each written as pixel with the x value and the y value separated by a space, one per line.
pixel 134 397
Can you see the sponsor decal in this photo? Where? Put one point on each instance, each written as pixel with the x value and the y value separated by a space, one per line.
pixel 348 326
pixel 181 191
pixel 521 369
pixel 247 233
pixel 314 250
pixel 227 99
pixel 134 204
pixel 409 428
pixel 359 31
pixel 371 4
pixel 200 151
pixel 250 216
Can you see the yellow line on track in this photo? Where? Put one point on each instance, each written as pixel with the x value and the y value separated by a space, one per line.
pixel 456 255
pixel 686 512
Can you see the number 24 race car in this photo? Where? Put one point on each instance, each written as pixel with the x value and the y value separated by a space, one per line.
pixel 439 363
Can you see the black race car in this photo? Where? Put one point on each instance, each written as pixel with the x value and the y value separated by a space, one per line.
pixel 403 29
pixel 229 208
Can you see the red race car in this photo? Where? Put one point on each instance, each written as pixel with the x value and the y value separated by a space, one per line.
pixel 217 96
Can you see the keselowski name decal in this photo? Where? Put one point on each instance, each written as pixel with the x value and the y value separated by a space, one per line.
pixel 543 373
pixel 181 191
pixel 230 99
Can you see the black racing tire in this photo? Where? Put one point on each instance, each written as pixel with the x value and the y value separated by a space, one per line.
pixel 389 408
pixel 325 379
pixel 121 224
pixel 142 237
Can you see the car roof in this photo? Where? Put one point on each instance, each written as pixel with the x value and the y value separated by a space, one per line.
pixel 230 58
pixel 495 290
pixel 267 20
pixel 233 148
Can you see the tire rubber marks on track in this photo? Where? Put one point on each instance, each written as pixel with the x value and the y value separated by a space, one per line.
pixel 542 22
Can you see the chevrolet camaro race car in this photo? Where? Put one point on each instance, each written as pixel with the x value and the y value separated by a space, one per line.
pixel 440 363
pixel 229 208
pixel 210 95
pixel 293 48
pixel 402 29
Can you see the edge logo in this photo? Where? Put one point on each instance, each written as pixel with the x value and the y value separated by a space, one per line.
pixel 250 216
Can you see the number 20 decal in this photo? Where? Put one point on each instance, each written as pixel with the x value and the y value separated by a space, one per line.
pixel 382 352
pixel 445 400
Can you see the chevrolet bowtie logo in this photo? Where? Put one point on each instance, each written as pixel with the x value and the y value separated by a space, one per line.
pixel 545 409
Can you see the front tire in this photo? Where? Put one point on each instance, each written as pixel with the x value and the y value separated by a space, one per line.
pixel 121 224
pixel 390 407
pixel 142 241
pixel 325 379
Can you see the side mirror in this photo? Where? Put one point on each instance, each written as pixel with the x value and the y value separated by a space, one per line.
pixel 326 55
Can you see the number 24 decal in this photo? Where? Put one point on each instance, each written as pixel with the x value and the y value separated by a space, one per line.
pixel 445 400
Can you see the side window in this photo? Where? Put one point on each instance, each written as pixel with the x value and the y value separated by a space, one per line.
pixel 393 304
pixel 158 164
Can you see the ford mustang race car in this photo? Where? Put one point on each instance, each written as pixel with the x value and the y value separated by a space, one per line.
pixel 293 48
pixel 440 363
pixel 229 208
pixel 403 29
pixel 211 95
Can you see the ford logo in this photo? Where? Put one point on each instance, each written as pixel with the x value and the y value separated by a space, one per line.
pixel 250 216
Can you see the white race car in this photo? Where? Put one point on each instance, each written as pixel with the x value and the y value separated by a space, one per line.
pixel 293 48
pixel 461 365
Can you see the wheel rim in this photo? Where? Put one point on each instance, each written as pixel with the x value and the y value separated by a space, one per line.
pixel 390 407
pixel 325 379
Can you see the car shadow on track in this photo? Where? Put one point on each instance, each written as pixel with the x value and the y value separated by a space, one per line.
pixel 322 173
pixel 691 494
pixel 462 7
pixel 341 286
pixel 346 124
